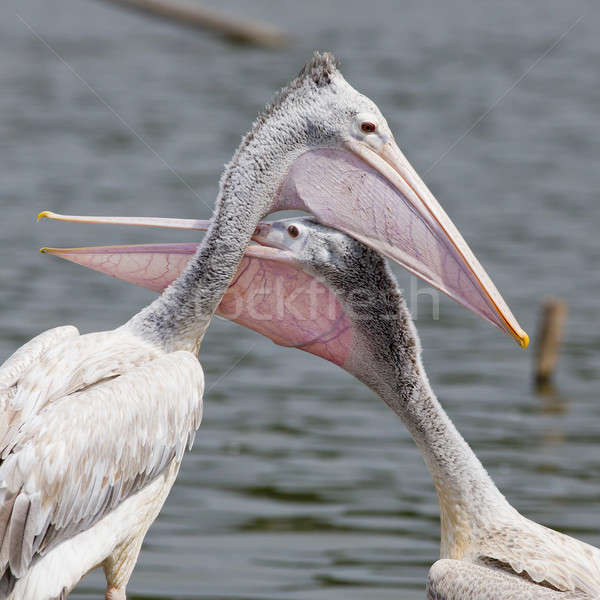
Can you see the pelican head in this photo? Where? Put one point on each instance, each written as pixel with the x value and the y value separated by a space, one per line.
pixel 358 319
pixel 347 170
pixel 324 148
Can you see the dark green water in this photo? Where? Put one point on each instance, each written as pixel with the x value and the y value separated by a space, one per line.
pixel 301 483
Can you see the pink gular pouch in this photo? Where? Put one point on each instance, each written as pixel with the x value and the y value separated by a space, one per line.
pixel 408 227
pixel 379 200
pixel 271 293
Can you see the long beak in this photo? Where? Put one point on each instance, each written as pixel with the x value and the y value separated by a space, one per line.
pixel 151 266
pixel 378 198
pixel 162 222
pixel 195 224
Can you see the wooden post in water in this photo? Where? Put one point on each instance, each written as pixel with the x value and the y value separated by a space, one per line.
pixel 198 16
pixel 551 325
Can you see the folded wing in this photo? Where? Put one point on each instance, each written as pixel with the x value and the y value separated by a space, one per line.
pixel 88 450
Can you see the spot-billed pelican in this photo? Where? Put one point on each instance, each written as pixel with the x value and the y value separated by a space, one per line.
pixel 350 312
pixel 94 426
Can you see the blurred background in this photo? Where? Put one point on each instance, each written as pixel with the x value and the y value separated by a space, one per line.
pixel 301 483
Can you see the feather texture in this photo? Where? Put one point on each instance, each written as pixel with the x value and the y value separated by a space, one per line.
pixel 83 439
pixel 16 364
pixel 458 580
pixel 544 555
pixel 91 358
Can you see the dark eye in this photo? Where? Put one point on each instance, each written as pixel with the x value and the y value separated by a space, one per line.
pixel 293 231
pixel 367 127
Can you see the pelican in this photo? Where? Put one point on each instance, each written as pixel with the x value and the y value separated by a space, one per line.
pixel 94 426
pixel 488 550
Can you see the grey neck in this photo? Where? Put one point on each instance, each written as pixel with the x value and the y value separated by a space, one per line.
pixel 458 475
pixel 178 319
pixel 249 191
pixel 395 372
pixel 386 356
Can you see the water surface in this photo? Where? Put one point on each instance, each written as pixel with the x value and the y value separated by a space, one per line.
pixel 302 484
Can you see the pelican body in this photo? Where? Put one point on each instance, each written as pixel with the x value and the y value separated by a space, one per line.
pixel 93 432
pixel 94 426
pixel 488 550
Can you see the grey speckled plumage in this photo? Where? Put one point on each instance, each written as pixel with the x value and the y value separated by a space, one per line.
pixel 301 117
pixel 489 550
pixel 316 73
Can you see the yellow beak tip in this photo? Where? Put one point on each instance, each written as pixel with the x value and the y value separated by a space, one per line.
pixel 45 213
pixel 524 341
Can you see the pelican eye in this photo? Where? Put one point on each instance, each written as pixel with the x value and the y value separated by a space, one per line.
pixel 293 231
pixel 368 127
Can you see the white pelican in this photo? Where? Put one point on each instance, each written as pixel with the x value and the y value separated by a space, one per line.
pixel 94 426
pixel 488 550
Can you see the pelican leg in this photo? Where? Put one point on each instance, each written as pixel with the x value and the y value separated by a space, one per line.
pixel 113 593
pixel 458 580
pixel 119 566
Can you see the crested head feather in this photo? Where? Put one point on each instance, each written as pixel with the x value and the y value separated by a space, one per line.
pixel 317 73
pixel 319 69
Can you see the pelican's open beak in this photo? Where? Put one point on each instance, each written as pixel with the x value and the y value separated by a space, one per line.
pixel 196 224
pixel 151 266
pixel 268 294
pixel 377 197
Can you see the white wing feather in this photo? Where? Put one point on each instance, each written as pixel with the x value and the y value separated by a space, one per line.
pixel 19 363
pixel 94 419
pixel 16 364
pixel 57 363
pixel 460 580
pixel 545 555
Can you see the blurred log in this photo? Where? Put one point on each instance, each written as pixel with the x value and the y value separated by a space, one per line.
pixel 200 17
pixel 552 321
